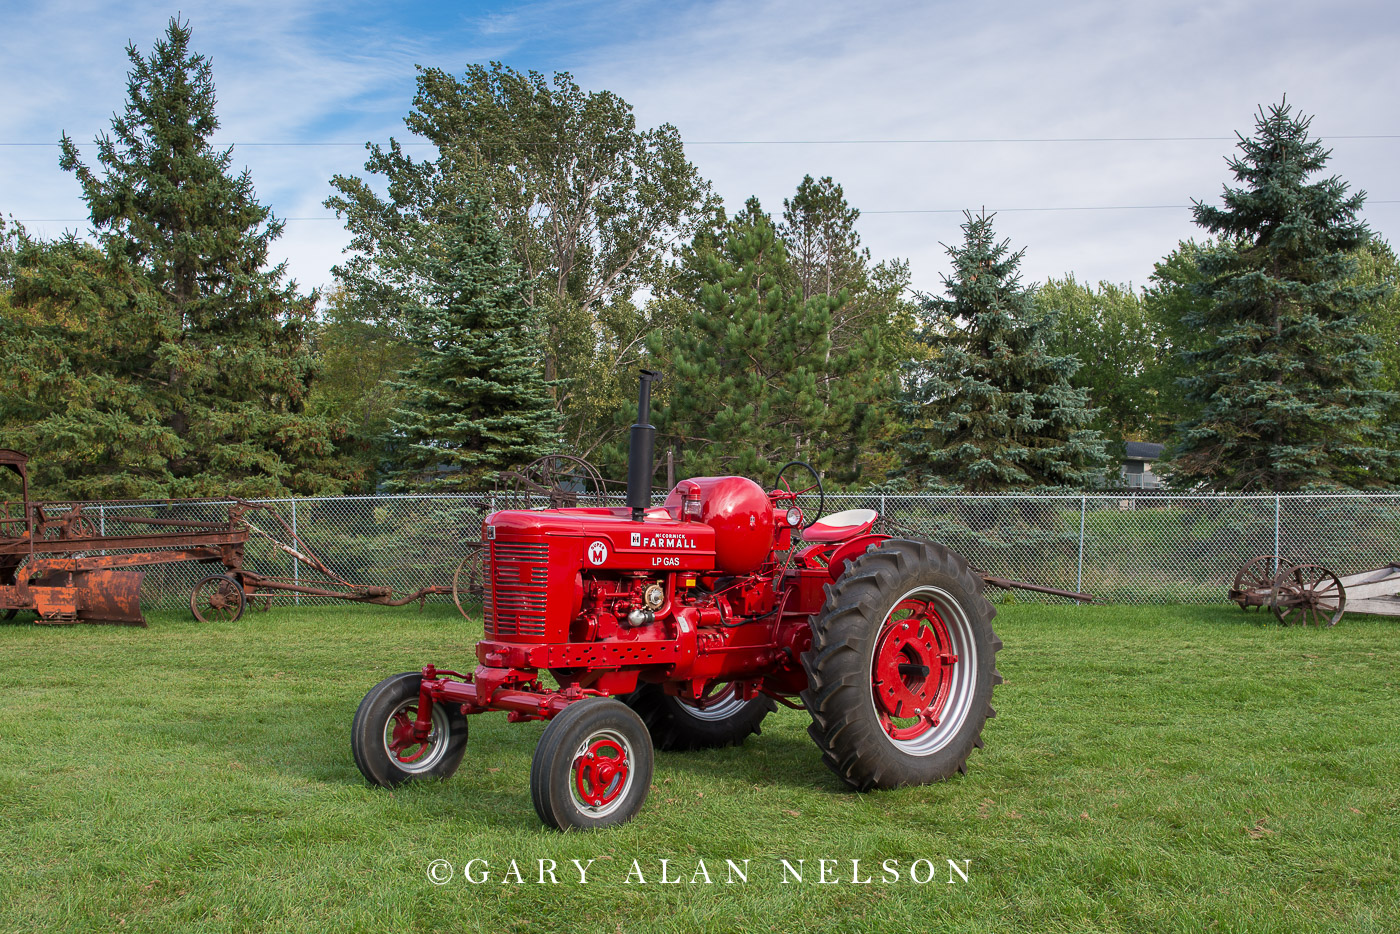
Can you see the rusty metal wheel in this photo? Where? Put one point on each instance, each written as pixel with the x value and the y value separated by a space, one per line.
pixel 559 481
pixel 1254 579
pixel 1307 593
pixel 217 598
pixel 82 527
pixel 469 580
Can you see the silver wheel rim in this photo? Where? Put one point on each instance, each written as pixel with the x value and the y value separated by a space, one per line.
pixel 722 709
pixel 603 810
pixel 964 681
pixel 436 742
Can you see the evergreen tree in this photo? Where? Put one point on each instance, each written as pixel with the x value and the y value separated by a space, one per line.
pixel 825 252
pixel 754 380
pixel 171 360
pixel 993 409
pixel 1286 385
pixel 475 398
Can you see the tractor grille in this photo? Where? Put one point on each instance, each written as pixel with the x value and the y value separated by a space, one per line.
pixel 515 596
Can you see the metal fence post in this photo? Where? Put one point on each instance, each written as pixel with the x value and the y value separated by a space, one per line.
pixel 883 512
pixel 102 523
pixel 1276 533
pixel 296 565
pixel 1079 575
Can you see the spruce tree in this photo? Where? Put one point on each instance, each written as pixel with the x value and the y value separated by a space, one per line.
pixel 171 360
pixel 1286 383
pixel 992 408
pixel 474 400
pixel 754 379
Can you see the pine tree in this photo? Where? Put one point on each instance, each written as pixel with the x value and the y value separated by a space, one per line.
pixel 171 360
pixel 754 380
pixel 474 400
pixel 1286 384
pixel 993 408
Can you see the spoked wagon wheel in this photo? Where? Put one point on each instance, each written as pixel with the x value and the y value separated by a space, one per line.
pixel 592 767
pixel 901 668
pixel 558 481
pixel 1254 577
pixel 469 580
pixel 81 527
pixel 1307 593
pixel 217 598
pixel 382 740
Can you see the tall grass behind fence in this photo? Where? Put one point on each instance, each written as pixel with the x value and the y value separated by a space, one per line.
pixel 1152 548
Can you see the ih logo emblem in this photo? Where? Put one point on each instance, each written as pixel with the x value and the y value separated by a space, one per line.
pixel 636 539
pixel 597 553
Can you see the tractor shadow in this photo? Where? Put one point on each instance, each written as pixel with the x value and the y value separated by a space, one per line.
pixel 775 758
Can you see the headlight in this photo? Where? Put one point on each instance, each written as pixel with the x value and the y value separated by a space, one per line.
pixel 794 517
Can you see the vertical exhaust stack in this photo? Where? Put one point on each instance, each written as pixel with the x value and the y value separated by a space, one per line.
pixel 640 462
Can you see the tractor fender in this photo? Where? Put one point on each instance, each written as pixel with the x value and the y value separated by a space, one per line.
pixel 851 550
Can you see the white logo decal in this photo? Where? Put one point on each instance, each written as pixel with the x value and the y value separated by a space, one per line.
pixel 636 539
pixel 598 552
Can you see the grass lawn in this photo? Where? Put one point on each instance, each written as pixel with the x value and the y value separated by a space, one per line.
pixel 1151 769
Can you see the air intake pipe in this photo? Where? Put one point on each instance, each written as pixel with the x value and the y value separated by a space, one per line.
pixel 640 461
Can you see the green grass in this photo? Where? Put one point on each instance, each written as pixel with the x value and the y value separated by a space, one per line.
pixel 1151 768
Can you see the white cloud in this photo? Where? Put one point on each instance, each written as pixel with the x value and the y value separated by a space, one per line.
pixel 313 69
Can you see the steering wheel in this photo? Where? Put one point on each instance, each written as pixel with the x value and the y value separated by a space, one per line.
pixel 801 497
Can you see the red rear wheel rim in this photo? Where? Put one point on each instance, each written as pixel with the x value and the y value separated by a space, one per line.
pixel 912 672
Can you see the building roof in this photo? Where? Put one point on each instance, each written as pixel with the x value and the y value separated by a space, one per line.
pixel 1142 450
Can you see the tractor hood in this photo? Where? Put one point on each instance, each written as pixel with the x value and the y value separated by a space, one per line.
pixel 609 539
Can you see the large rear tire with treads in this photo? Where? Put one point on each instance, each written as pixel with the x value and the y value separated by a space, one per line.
pixel 901 667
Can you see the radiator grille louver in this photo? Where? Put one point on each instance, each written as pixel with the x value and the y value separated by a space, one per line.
pixel 515 597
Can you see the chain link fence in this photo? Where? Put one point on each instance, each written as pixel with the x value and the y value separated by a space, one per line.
pixel 1144 548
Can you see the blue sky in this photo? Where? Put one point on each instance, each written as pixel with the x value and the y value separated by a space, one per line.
pixel 343 72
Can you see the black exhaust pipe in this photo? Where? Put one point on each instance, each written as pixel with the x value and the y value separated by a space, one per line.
pixel 640 462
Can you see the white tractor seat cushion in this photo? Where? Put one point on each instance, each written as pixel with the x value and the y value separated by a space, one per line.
pixel 840 526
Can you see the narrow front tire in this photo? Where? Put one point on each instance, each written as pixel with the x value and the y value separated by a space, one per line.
pixel 592 767
pixel 382 740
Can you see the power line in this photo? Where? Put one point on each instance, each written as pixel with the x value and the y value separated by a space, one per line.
pixel 841 142
pixel 1092 207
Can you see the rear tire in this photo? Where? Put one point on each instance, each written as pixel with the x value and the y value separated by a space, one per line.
pixel 592 767
pixel 675 725
pixel 901 667
pixel 392 704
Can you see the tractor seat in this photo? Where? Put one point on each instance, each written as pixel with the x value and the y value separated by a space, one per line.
pixel 840 526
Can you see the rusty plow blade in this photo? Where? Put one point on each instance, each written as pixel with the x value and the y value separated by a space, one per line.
pixel 109 596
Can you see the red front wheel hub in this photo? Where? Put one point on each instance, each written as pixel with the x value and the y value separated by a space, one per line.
pixel 600 771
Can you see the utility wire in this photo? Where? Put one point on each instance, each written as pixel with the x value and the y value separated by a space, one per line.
pixel 1095 207
pixel 851 142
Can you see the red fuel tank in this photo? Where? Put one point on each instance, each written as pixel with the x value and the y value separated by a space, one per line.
pixel 739 512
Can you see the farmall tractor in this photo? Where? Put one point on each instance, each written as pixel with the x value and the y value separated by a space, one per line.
pixel 679 626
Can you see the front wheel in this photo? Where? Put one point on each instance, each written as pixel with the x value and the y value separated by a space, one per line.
pixel 592 767
pixel 382 739
pixel 901 668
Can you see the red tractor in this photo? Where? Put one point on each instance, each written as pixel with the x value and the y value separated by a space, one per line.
pixel 678 627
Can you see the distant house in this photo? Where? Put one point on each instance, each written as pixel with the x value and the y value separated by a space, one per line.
pixel 1137 472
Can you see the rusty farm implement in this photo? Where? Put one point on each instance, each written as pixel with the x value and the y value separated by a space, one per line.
pixel 57 563
pixel 1310 593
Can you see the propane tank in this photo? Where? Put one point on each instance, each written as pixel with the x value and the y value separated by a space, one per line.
pixel 739 512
